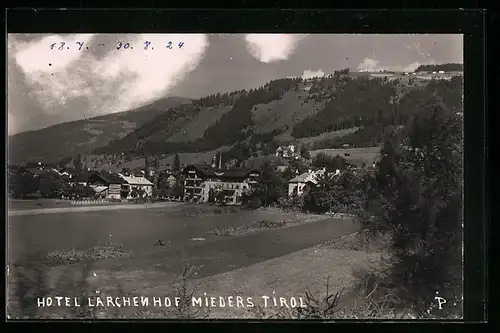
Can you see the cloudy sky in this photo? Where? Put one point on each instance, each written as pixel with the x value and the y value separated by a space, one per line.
pixel 88 76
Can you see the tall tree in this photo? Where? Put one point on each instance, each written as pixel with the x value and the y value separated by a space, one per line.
pixel 417 199
pixel 23 183
pixel 146 168
pixel 323 160
pixel 304 153
pixel 77 162
pixel 177 163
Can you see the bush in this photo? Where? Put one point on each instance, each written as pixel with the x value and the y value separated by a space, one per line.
pixel 98 252
pixel 254 227
pixel 294 203
pixel 255 203
pixel 267 224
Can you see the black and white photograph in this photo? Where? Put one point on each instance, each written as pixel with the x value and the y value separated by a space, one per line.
pixel 235 176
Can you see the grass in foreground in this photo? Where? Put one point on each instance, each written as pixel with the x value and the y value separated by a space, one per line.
pixel 262 225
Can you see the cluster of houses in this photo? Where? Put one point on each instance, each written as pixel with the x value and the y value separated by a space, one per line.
pixel 200 182
pixel 106 185
pixel 118 186
pixel 419 76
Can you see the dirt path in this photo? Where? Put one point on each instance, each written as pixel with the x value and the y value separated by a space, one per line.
pixel 90 208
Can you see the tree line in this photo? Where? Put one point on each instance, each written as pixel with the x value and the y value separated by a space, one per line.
pixel 450 67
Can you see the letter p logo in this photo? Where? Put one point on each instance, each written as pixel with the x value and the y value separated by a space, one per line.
pixel 441 301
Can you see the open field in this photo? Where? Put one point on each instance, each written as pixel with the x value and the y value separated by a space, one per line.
pixel 366 154
pixel 154 269
pixel 329 135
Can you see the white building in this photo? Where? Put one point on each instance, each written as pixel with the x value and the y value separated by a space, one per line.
pixel 138 183
pixel 286 151
pixel 201 179
pixel 297 185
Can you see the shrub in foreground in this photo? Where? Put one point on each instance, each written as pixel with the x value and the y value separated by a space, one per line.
pixel 98 252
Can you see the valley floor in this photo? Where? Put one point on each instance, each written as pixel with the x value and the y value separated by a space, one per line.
pixel 284 262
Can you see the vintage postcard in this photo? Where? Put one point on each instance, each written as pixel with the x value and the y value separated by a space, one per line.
pixel 248 176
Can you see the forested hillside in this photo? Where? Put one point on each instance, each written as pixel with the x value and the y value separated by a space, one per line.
pixel 317 113
pixel 377 110
pixel 232 126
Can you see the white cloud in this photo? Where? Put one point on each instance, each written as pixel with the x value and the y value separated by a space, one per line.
pixel 411 67
pixel 272 47
pixel 120 80
pixel 309 74
pixel 37 56
pixel 368 65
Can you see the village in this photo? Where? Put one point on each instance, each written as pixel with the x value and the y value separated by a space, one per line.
pixel 320 175
pixel 194 183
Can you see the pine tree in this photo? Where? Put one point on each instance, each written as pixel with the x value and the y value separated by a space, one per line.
pixel 146 168
pixel 417 200
pixel 304 153
pixel 177 163
pixel 77 162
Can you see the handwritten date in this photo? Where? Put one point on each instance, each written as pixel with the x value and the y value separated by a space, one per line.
pixel 147 45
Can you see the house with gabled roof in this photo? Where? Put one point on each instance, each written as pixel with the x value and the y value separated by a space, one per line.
pixel 297 185
pixel 203 179
pixel 112 181
pixel 133 182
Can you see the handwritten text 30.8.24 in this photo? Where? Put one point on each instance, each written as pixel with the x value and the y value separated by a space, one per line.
pixel 147 45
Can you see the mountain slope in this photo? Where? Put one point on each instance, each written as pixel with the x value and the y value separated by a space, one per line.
pixel 327 112
pixel 357 109
pixel 222 120
pixel 53 143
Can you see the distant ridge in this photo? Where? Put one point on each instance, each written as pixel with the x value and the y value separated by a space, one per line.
pixel 65 139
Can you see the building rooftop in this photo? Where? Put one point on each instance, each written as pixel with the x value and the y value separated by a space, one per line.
pixel 135 180
pixel 99 189
pixel 209 171
pixel 109 177
pixel 306 176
